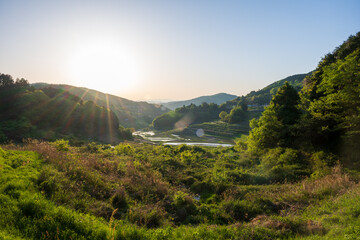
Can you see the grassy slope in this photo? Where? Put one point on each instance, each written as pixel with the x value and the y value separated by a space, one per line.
pixel 56 194
pixel 26 213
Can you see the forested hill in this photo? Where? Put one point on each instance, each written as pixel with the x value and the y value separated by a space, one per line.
pixel 131 114
pixel 50 113
pixel 264 95
pixel 324 117
pixel 233 111
pixel 216 98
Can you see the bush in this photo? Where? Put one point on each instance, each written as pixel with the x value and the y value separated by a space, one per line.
pixel 284 164
pixel 13 189
pixel 321 163
pixel 124 149
pixel 118 200
pixel 48 181
pixel 180 199
pixel 62 145
pixel 286 173
pixel 92 147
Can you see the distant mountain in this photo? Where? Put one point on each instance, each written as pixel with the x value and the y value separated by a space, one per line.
pixel 217 98
pixel 130 113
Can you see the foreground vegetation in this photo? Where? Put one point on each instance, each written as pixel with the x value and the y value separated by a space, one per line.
pixel 140 191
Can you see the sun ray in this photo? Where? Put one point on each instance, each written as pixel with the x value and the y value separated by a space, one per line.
pixel 104 66
pixel 109 118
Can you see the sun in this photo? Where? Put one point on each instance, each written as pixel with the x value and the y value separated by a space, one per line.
pixel 104 67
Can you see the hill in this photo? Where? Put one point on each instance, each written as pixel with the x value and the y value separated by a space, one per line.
pixel 216 98
pixel 131 114
pixel 206 113
pixel 146 192
pixel 49 113
pixel 263 96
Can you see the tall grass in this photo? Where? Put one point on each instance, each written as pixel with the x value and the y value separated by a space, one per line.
pixel 148 192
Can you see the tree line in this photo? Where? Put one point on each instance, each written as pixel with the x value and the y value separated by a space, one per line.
pixel 52 113
pixel 186 115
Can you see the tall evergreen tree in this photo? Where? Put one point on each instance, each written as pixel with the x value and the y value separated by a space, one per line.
pixel 275 128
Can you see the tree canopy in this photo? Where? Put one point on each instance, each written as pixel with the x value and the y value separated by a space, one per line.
pixel 275 126
pixel 328 118
pixel 51 113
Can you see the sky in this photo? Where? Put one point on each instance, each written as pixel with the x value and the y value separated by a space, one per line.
pixel 181 49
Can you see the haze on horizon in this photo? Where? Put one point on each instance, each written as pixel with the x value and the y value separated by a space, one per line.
pixel 144 50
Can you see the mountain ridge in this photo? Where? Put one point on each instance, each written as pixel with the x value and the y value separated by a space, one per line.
pixel 130 113
pixel 218 98
pixel 262 97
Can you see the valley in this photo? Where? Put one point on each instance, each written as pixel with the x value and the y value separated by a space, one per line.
pixel 278 163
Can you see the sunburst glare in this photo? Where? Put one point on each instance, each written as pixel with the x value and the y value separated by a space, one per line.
pixel 104 66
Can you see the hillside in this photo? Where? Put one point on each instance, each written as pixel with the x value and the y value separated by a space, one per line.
pixel 264 95
pixel 50 114
pixel 131 114
pixel 207 113
pixel 216 98
pixel 146 192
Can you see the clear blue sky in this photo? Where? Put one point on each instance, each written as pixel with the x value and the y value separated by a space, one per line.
pixel 170 49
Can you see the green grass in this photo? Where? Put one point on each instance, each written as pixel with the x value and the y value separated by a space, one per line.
pixel 26 213
pixel 340 216
pixel 141 191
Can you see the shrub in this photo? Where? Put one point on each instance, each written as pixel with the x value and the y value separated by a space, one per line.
pixel 92 147
pixel 62 145
pixel 284 164
pixel 321 163
pixel 125 149
pixel 286 173
pixel 32 208
pixel 118 200
pixel 47 181
pixel 13 189
pixel 121 169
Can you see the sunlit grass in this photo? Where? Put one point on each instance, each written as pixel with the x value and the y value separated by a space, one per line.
pixel 140 191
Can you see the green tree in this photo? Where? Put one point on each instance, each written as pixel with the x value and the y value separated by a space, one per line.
pixel 331 100
pixel 285 104
pixel 337 111
pixel 236 115
pixel 6 80
pixel 275 128
pixel 244 106
pixel 223 116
